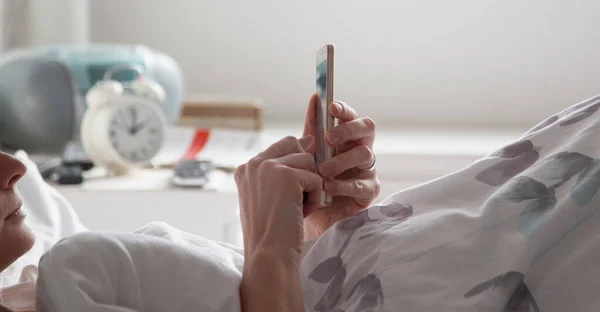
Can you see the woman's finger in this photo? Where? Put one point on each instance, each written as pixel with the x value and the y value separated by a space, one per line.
pixel 302 161
pixel 312 186
pixel 310 121
pixel 352 130
pixel 362 190
pixel 342 111
pixel 286 146
pixel 360 157
pixel 304 171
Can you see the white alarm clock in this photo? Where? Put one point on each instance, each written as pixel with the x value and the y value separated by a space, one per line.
pixel 123 126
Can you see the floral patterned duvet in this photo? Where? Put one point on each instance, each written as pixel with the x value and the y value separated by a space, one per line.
pixel 516 231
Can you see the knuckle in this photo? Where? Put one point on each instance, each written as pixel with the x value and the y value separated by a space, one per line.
pixel 309 159
pixel 338 131
pixel 239 173
pixel 369 123
pixel 350 130
pixel 358 186
pixel 364 152
pixel 377 188
pixel 289 140
pixel 255 162
pixel 294 174
pixel 268 164
pixel 307 156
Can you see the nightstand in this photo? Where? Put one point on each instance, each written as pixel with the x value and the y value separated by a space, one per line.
pixel 124 204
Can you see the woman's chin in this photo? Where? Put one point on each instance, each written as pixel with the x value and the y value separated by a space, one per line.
pixel 16 239
pixel 28 237
pixel 24 237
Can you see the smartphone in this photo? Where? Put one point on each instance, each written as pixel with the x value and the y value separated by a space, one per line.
pixel 325 121
pixel 192 173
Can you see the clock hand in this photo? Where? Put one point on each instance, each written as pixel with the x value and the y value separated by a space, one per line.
pixel 131 120
pixel 124 121
pixel 119 127
pixel 117 123
pixel 137 128
pixel 141 125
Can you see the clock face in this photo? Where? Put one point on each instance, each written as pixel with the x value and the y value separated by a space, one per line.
pixel 136 132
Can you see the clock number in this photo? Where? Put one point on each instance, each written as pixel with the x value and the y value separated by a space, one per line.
pixel 135 133
pixel 133 112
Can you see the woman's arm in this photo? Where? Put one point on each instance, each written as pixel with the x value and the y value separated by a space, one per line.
pixel 277 188
pixel 270 282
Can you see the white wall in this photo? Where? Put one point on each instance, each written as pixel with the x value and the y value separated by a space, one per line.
pixel 484 62
pixel 55 22
pixel 2 24
pixel 41 22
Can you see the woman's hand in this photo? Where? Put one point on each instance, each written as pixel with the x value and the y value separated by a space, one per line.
pixel 350 176
pixel 271 193
pixel 276 189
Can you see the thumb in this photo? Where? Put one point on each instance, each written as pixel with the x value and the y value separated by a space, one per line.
pixel 312 186
pixel 310 121
pixel 307 143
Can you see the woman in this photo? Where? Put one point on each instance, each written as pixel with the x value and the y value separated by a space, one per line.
pixel 275 222
pixel 515 231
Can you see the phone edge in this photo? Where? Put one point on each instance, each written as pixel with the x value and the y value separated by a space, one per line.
pixel 329 121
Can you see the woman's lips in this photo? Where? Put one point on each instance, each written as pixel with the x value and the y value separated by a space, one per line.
pixel 17 213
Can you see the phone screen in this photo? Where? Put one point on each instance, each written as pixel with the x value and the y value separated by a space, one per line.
pixel 324 120
pixel 321 110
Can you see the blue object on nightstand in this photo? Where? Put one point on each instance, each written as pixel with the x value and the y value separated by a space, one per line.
pixel 42 89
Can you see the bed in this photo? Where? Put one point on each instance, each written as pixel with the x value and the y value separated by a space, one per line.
pixel 515 231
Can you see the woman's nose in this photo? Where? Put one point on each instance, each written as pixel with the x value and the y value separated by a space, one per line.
pixel 11 170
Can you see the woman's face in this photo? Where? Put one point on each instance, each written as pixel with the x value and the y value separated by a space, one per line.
pixel 15 238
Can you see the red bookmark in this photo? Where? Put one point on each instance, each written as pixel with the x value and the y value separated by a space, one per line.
pixel 199 141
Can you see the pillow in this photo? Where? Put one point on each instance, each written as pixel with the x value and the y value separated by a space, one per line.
pixel 49 216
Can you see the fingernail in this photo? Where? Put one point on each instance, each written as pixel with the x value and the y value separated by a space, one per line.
pixel 307 142
pixel 332 138
pixel 338 107
pixel 326 169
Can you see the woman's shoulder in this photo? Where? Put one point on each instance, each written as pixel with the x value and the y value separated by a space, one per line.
pixel 20 296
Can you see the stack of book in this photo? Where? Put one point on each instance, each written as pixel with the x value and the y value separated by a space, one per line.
pixel 222 113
